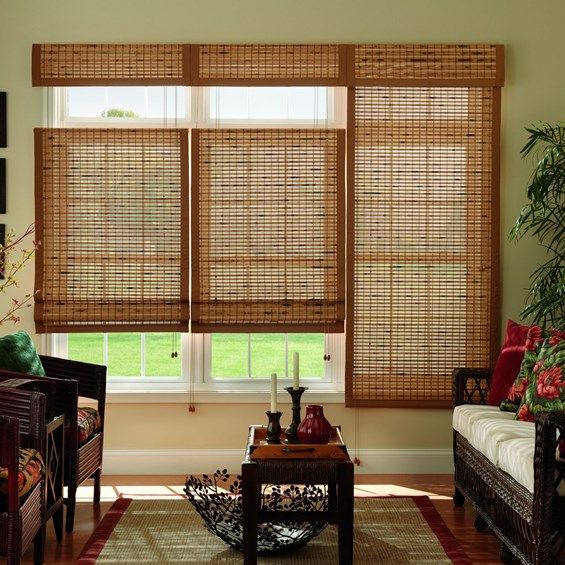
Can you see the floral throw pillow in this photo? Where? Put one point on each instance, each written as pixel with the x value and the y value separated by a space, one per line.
pixel 534 341
pixel 546 389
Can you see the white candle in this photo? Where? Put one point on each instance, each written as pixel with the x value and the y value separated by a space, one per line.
pixel 296 372
pixel 273 392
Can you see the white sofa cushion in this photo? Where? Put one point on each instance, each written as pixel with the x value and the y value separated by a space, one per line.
pixel 466 415
pixel 488 434
pixel 516 457
pixel 507 443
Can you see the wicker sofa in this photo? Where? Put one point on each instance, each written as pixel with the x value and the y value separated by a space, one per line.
pixel 510 471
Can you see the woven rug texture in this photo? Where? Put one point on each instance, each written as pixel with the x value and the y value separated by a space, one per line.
pixel 388 531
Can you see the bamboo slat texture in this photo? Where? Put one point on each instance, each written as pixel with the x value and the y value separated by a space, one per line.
pixel 77 64
pixel 268 230
pixel 421 267
pixel 439 64
pixel 112 215
pixel 288 65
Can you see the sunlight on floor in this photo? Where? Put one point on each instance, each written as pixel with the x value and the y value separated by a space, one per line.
pixel 110 493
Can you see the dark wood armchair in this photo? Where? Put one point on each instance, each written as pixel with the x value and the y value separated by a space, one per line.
pixel 83 459
pixel 22 514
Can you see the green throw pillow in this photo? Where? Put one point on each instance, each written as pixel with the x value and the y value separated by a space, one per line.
pixel 545 391
pixel 17 353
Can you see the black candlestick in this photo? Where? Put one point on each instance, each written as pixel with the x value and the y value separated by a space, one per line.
pixel 274 427
pixel 290 432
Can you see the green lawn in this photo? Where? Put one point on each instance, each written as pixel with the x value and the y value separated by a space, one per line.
pixel 229 354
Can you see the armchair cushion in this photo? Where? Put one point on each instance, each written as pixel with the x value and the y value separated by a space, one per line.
pixel 18 354
pixel 30 467
pixel 89 422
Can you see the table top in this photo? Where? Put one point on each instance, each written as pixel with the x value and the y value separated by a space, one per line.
pixel 259 450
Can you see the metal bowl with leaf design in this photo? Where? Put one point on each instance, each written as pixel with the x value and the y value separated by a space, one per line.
pixel 218 500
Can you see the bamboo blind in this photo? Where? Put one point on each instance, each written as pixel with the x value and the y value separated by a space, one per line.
pixel 112 216
pixel 109 64
pixel 268 230
pixel 422 235
pixel 287 65
pixel 414 65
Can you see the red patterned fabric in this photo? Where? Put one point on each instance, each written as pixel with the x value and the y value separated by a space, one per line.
pixel 30 468
pixel 88 423
pixel 508 362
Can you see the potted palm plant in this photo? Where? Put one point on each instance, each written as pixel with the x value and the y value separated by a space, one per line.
pixel 544 217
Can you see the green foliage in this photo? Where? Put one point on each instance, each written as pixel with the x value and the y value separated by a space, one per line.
pixel 544 217
pixel 119 113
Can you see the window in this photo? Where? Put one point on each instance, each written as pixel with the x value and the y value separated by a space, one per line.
pixel 145 361
pixel 244 362
pixel 423 168
pixel 143 102
pixel 180 106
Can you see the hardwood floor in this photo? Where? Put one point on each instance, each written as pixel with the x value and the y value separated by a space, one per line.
pixel 480 547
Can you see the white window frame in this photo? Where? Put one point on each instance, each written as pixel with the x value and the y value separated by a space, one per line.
pixel 333 346
pixel 59 348
pixel 195 354
pixel 198 115
pixel 336 98
pixel 62 119
pixel 195 349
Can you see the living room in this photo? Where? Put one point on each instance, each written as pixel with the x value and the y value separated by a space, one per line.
pixel 179 402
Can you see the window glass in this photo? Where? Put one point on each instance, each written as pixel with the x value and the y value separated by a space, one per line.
pixel 259 355
pixel 134 102
pixel 124 354
pixel 158 359
pixel 268 103
pixel 229 355
pixel 86 101
pixel 86 347
pixel 267 355
pixel 311 349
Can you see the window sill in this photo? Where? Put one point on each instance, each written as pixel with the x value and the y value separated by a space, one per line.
pixel 216 397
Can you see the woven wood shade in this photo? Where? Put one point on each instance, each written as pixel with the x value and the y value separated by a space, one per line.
pixel 268 230
pixel 256 65
pixel 422 212
pixel 426 65
pixel 110 64
pixel 112 217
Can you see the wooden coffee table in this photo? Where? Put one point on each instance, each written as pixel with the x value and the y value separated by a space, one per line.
pixel 297 464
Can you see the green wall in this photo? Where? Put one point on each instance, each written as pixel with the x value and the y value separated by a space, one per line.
pixel 535 87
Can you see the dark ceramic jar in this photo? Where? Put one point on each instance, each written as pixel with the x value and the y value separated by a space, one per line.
pixel 314 428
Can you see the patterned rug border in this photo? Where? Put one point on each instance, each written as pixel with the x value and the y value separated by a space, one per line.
pixel 96 542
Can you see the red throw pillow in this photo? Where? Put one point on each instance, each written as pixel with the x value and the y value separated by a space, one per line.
pixel 508 362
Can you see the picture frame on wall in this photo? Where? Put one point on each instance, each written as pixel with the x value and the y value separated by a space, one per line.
pixel 3 121
pixel 2 186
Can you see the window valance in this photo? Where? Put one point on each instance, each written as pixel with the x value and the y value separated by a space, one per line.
pixel 289 64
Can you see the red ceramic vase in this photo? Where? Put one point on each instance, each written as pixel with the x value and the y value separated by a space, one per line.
pixel 314 428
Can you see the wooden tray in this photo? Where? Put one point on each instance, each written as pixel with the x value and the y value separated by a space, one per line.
pixel 260 449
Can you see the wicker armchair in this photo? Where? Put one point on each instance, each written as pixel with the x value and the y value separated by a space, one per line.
pixel 530 526
pixel 22 518
pixel 83 460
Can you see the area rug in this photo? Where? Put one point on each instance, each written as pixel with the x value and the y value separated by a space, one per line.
pixel 388 531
